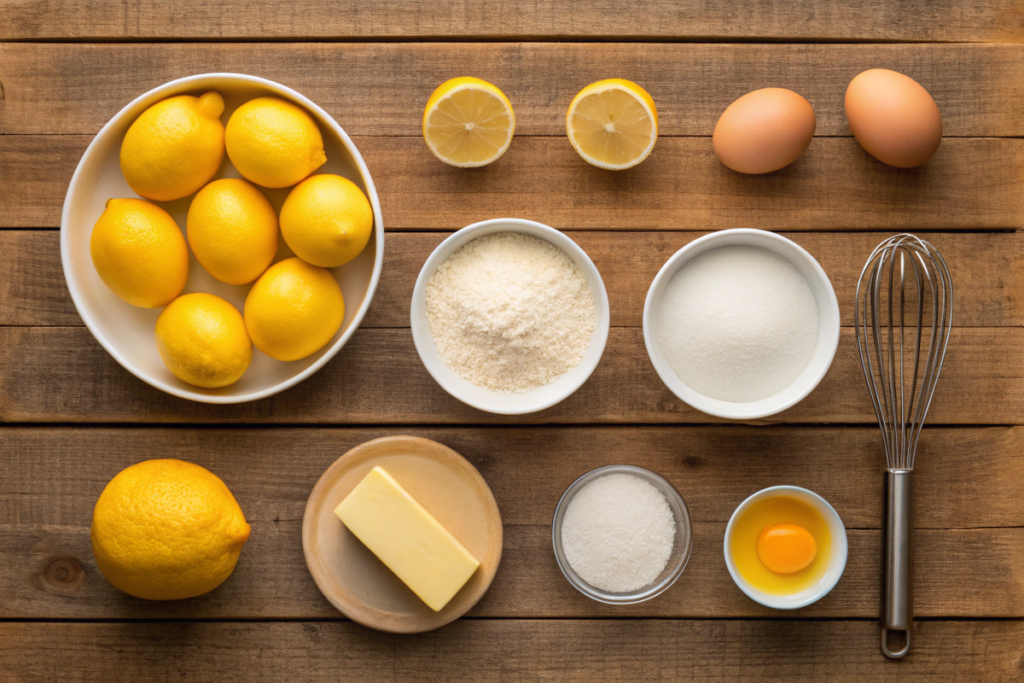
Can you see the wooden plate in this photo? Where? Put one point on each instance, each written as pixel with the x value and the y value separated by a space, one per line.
pixel 360 585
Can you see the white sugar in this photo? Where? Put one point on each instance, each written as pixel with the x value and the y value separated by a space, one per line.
pixel 738 323
pixel 618 533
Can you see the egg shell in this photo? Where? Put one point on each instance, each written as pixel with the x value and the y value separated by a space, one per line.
pixel 764 130
pixel 893 117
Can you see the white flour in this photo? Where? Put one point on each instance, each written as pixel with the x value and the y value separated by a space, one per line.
pixel 618 533
pixel 738 323
pixel 510 312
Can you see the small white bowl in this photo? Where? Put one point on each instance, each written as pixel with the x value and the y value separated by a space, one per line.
pixel 127 332
pixel 836 565
pixel 828 317
pixel 484 399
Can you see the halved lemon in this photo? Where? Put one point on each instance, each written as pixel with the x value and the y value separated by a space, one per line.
pixel 468 122
pixel 613 124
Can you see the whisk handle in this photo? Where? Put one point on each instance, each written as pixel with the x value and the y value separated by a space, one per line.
pixel 897 534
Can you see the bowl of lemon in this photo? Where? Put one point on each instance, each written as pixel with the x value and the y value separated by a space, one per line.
pixel 222 238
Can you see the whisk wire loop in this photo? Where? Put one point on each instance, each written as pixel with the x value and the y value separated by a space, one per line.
pixel 904 278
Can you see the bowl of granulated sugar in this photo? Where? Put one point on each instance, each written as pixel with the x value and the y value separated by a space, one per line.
pixel 741 323
pixel 621 534
pixel 509 316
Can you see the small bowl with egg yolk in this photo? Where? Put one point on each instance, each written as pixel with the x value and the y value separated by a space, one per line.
pixel 785 547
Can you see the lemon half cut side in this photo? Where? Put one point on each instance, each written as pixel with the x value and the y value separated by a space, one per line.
pixel 612 124
pixel 468 122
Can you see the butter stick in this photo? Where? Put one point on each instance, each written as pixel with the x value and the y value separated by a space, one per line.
pixel 407 538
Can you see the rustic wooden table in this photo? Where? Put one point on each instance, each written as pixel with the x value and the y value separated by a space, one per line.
pixel 74 418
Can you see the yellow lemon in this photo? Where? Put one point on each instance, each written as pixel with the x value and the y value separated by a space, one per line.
pixel 202 340
pixel 468 122
pixel 174 147
pixel 612 124
pixel 139 252
pixel 293 310
pixel 274 143
pixel 232 229
pixel 167 530
pixel 326 220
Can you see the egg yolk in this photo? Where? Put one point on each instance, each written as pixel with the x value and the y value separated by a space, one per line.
pixel 786 548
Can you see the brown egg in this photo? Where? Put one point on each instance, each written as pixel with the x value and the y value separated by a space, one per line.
pixel 893 117
pixel 764 130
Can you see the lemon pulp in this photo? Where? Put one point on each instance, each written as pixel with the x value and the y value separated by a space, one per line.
pixel 468 122
pixel 612 124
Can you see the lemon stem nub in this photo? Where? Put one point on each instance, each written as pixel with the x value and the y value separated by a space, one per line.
pixel 211 104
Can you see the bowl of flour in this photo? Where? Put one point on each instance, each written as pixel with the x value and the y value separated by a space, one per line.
pixel 741 324
pixel 509 316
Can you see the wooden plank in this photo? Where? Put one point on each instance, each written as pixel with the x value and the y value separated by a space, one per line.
pixel 940 20
pixel 35 173
pixel 970 184
pixel 60 471
pixel 472 650
pixel 381 88
pixel 984 266
pixel 60 374
pixel 50 573
pixel 969 541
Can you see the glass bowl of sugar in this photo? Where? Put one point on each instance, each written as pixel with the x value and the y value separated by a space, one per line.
pixel 621 534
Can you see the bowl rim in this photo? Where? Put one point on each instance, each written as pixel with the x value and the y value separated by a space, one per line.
pixel 836 569
pixel 684 520
pixel 169 89
pixel 735 410
pixel 423 339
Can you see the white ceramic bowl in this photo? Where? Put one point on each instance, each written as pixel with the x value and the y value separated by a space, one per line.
pixel 485 399
pixel 127 332
pixel 828 317
pixel 836 565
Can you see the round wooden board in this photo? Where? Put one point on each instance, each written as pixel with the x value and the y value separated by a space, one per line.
pixel 360 585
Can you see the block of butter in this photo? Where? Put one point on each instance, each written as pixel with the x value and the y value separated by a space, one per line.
pixel 407 538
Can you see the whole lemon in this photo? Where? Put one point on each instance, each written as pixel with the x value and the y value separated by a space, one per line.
pixel 326 220
pixel 139 252
pixel 174 147
pixel 293 310
pixel 232 229
pixel 202 340
pixel 274 143
pixel 167 530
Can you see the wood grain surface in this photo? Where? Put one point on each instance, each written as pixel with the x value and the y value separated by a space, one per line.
pixel 970 535
pixel 71 417
pixel 990 286
pixel 380 89
pixel 609 651
pixel 936 20
pixel 971 184
pixel 981 384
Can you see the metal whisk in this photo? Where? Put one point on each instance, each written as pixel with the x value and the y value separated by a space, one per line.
pixel 903 312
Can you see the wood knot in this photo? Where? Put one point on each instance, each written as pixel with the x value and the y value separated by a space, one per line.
pixel 64 572
pixel 692 462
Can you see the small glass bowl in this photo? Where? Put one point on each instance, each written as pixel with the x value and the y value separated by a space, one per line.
pixel 680 548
